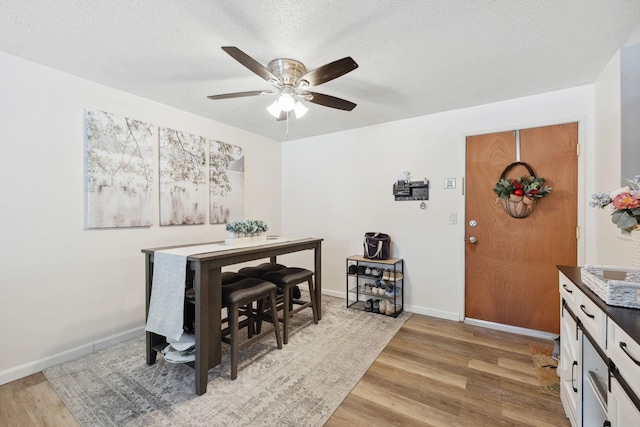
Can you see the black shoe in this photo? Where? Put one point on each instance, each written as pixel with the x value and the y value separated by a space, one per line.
pixel 368 306
pixel 376 306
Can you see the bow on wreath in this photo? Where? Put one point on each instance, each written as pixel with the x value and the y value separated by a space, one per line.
pixel 519 195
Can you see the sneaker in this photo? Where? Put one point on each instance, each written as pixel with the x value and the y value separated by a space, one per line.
pixel 390 291
pixel 375 272
pixel 392 308
pixel 391 275
pixel 367 271
pixel 376 306
pixel 368 306
pixel 383 306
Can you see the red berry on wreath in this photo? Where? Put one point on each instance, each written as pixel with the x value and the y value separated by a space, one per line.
pixel 518 192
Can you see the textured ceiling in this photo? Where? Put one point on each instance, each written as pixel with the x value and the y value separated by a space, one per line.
pixel 415 57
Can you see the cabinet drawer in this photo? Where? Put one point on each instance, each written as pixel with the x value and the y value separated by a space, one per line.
pixel 568 291
pixel 625 354
pixel 594 320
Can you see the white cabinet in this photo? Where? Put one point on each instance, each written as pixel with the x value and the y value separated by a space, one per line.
pixel 568 364
pixel 599 359
pixel 623 411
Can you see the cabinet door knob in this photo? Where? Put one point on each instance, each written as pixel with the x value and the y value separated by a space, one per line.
pixel 623 346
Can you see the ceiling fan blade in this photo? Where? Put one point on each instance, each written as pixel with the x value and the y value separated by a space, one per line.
pixel 329 71
pixel 240 94
pixel 330 101
pixel 251 64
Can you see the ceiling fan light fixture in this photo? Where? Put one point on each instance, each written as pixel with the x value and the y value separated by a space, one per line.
pixel 300 109
pixel 274 109
pixel 286 102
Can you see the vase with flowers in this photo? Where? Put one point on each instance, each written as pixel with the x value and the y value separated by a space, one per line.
pixel 246 231
pixel 624 205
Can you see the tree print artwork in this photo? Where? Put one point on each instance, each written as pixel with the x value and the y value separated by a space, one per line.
pixel 226 182
pixel 119 173
pixel 183 197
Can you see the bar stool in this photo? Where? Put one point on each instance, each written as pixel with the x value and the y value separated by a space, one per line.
pixel 244 293
pixel 258 270
pixel 286 279
pixel 229 277
pixel 267 267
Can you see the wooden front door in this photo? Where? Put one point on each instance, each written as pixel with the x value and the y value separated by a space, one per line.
pixel 510 271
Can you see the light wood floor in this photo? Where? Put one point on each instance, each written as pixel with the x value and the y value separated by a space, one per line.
pixel 433 373
pixel 437 372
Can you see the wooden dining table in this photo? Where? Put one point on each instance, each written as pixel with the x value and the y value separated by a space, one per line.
pixel 206 269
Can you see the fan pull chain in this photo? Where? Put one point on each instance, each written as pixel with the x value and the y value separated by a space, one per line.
pixel 288 124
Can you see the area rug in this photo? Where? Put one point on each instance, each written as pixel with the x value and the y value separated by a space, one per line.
pixel 546 368
pixel 300 385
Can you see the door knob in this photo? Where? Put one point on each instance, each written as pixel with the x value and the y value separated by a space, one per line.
pixel 473 239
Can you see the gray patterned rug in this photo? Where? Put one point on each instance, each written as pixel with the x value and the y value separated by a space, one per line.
pixel 300 385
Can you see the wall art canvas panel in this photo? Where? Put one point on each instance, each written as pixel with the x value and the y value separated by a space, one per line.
pixel 119 172
pixel 226 182
pixel 183 182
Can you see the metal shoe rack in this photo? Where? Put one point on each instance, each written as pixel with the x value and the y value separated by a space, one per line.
pixel 389 273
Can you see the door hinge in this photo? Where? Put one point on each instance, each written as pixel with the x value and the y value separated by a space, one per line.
pixel 577 149
pixel 577 233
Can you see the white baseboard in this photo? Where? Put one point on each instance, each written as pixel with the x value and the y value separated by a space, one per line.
pixel 512 329
pixel 336 294
pixel 447 315
pixel 30 368
pixel 413 309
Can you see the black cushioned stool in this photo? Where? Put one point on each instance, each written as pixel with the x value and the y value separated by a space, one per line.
pixel 258 270
pixel 267 267
pixel 240 294
pixel 229 277
pixel 286 279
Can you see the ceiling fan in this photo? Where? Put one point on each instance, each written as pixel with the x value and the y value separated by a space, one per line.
pixel 291 82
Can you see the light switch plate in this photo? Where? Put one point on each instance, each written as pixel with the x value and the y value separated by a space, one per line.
pixel 449 183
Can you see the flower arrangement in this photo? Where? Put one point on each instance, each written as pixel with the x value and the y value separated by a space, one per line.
pixel 624 204
pixel 516 189
pixel 248 226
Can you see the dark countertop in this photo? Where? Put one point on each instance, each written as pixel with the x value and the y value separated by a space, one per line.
pixel 627 318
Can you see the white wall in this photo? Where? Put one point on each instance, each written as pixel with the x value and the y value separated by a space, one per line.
pixel 339 186
pixel 610 246
pixel 63 287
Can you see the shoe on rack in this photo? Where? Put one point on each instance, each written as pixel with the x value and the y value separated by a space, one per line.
pixel 375 272
pixel 376 306
pixel 367 271
pixel 393 309
pixel 389 291
pixel 383 306
pixel 368 306
pixel 391 275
